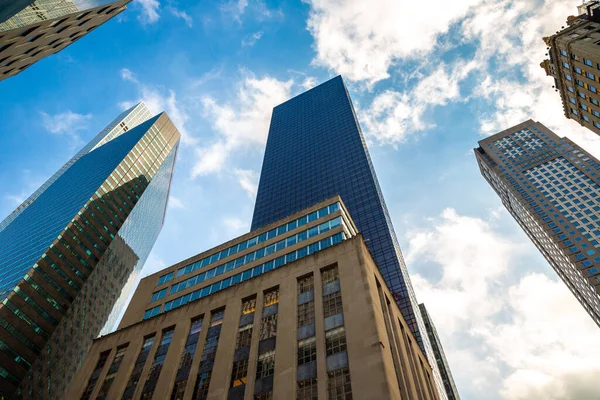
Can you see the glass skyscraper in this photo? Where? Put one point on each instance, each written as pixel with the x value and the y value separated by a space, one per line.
pixel 551 186
pixel 66 256
pixel 316 150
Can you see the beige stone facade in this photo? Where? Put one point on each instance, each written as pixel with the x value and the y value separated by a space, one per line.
pixel 320 326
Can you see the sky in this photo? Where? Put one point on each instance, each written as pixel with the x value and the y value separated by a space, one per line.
pixel 428 80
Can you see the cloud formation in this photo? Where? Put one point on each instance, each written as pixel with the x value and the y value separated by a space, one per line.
pixel 503 344
pixel 149 13
pixel 242 123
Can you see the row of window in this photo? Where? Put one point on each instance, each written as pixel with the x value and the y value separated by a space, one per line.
pixel 248 274
pixel 280 230
pixel 250 257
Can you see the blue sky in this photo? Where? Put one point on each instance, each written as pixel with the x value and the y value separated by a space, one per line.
pixel 428 80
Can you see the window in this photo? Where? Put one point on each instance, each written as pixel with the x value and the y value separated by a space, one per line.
pixel 158 295
pixel 137 368
pixel 338 385
pixel 244 336
pixel 266 364
pixel 268 327
pixel 588 62
pixel 165 278
pixel 577 70
pixel 95 374
pixel 592 89
pixel 306 313
pixel 307 350
pixel 187 357
pixel 263 396
pixel 597 125
pixel 112 371
pixel 564 53
pixel 329 274
pixel 586 118
pixel 239 373
pixel 590 75
pixel 594 101
pixel 570 89
pixel 335 341
pixel 584 107
pixel 582 95
pixel 249 306
pixel 157 364
pixel 271 297
pixel 574 111
pixel 568 77
pixel 152 312
pixel 332 304
pixel 306 284
pixel 308 389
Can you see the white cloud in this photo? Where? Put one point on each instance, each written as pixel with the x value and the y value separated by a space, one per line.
pixel 363 39
pixel 309 82
pixel 159 99
pixel 241 124
pixel 235 225
pixel 149 14
pixel 248 180
pixel 175 202
pixel 235 8
pixel 529 339
pixel 393 115
pixel 181 14
pixel 252 39
pixel 66 123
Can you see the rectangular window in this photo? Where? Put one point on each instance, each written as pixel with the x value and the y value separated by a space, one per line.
pixel 266 364
pixel 112 371
pixel 590 75
pixel 208 354
pixel 137 368
pixel 332 304
pixel 271 297
pixel 335 341
pixel 308 389
pixel 185 363
pixel 307 350
pixel 329 274
pixel 306 284
pixel 165 278
pixel 268 327
pixel 87 393
pixel 244 336
pixel 592 89
pixel 239 373
pixel 306 313
pixel 338 385
pixel 588 62
pixel 564 53
pixel 157 364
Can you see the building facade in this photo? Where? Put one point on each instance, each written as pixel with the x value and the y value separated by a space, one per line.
pixel 551 187
pixel 294 310
pixel 66 257
pixel 315 150
pixel 125 121
pixel 440 356
pixel 45 27
pixel 574 63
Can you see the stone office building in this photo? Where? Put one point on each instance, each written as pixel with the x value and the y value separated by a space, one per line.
pixel 294 310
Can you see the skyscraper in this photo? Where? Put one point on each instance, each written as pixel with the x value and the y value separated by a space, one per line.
pixel 315 150
pixel 574 63
pixel 294 310
pixel 551 187
pixel 440 356
pixel 126 120
pixel 45 27
pixel 66 256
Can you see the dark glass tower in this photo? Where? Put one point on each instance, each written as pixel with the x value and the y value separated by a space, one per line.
pixel 67 255
pixel 316 150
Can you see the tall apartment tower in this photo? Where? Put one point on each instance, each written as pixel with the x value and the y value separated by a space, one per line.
pixel 315 150
pixel 67 255
pixel 551 187
pixel 296 309
pixel 440 356
pixel 32 30
pixel 574 63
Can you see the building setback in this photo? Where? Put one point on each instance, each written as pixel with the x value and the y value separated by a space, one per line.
pixel 65 258
pixel 440 356
pixel 45 27
pixel 551 187
pixel 574 63
pixel 315 150
pixel 294 310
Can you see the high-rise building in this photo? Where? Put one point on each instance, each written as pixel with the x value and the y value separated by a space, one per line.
pixel 551 187
pixel 315 150
pixel 65 258
pixel 440 356
pixel 574 63
pixel 294 310
pixel 126 120
pixel 44 27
